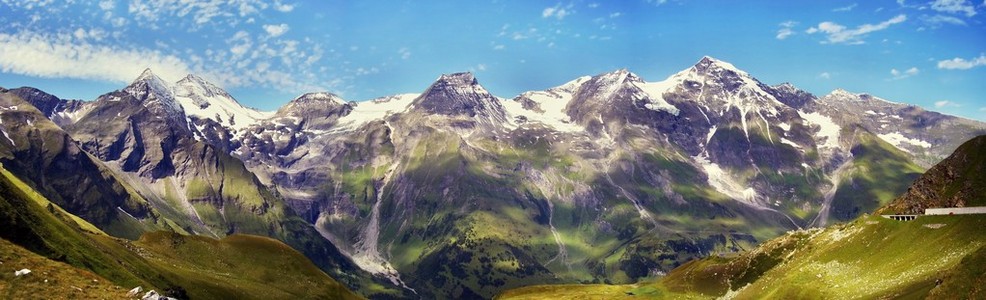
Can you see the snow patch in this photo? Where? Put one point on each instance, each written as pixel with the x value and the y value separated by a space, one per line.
pixel 784 126
pixel 552 104
pixel 828 132
pixel 720 180
pixel 897 139
pixel 372 110
pixel 655 95
pixel 206 101
pixel 789 142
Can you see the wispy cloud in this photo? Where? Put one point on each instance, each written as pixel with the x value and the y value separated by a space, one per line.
pixel 939 20
pixel 404 53
pixel 825 75
pixel 839 34
pixel 62 56
pixel 904 74
pixel 959 63
pixel 846 8
pixel 786 30
pixel 946 103
pixel 955 7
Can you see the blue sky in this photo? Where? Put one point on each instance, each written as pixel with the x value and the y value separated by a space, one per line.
pixel 928 53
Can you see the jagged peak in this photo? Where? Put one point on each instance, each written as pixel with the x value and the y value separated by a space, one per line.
pixel 319 97
pixel 192 84
pixel 458 94
pixel 841 93
pixel 146 74
pixel 458 78
pixel 708 64
pixel 149 83
pixel 618 76
pixel 196 79
pixel 786 86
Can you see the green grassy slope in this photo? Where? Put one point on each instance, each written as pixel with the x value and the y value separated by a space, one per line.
pixel 49 279
pixel 938 257
pixel 878 173
pixel 869 258
pixel 238 266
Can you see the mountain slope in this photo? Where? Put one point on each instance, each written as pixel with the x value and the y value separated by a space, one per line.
pixel 957 181
pixel 138 140
pixel 238 266
pixel 870 257
pixel 606 178
pixel 47 158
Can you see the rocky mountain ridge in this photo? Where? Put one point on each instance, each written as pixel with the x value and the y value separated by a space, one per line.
pixel 604 178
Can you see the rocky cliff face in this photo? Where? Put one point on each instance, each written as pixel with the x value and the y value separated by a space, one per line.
pixel 957 181
pixel 40 153
pixel 146 168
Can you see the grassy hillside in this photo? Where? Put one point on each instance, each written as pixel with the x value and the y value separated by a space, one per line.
pixel 239 266
pixel 49 279
pixel 870 258
pixel 939 257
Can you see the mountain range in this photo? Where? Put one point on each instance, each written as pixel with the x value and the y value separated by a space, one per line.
pixel 871 257
pixel 455 192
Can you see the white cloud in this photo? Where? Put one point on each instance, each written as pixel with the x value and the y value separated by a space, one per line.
pixel 962 64
pixel 839 34
pixel 282 7
pixel 404 52
pixel 946 103
pixel 954 7
pixel 901 75
pixel 786 30
pixel 845 8
pixel 825 75
pixel 783 33
pixel 107 4
pixel 366 71
pixel 498 47
pixel 276 30
pixel 33 54
pixel 937 20
pixel 154 13
pixel 615 15
pixel 557 12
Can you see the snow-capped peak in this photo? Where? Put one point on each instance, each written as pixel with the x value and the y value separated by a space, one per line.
pixel 155 92
pixel 145 75
pixel 787 87
pixel 842 94
pixel 147 83
pixel 202 99
pixel 708 64
pixel 319 97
